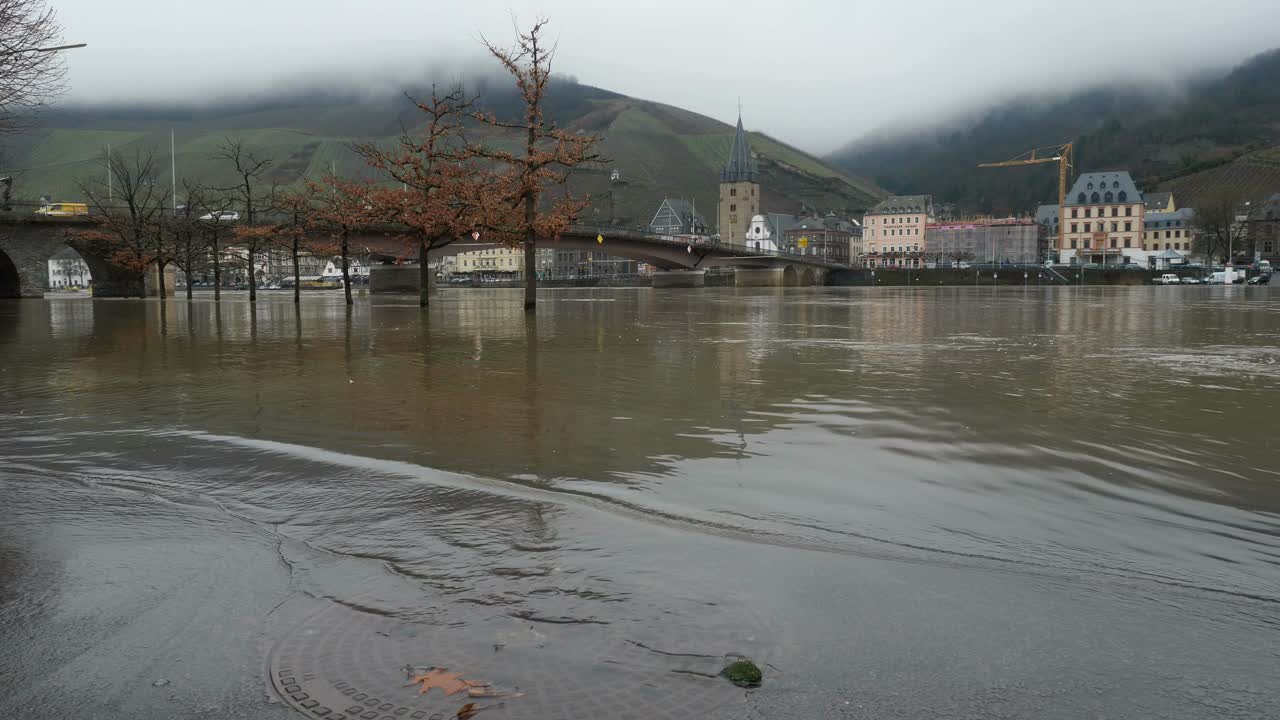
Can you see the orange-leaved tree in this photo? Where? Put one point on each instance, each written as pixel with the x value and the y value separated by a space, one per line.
pixel 342 206
pixel 295 209
pixel 444 193
pixel 543 165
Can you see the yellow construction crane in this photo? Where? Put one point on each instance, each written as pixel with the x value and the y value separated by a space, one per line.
pixel 1061 154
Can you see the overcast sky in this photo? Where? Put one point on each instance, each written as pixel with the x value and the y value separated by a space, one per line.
pixel 816 73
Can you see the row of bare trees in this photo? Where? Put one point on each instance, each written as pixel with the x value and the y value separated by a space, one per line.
pixel 454 177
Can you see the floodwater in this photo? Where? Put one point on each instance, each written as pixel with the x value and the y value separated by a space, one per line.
pixel 953 502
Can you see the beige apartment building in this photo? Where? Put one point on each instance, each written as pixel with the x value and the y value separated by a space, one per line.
pixel 893 232
pixel 498 262
pixel 1103 220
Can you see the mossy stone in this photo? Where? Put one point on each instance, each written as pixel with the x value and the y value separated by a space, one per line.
pixel 743 673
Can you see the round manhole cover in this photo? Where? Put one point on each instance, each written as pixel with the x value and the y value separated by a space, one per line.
pixel 340 664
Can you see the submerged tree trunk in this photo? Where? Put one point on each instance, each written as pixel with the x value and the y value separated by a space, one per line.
pixel 188 274
pixel 297 275
pixel 160 287
pixel 253 276
pixel 424 276
pixel 346 275
pixel 217 270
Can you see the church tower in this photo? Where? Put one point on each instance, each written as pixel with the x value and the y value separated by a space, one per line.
pixel 739 190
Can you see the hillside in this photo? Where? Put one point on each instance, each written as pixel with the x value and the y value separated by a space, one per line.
pixel 1159 135
pixel 660 150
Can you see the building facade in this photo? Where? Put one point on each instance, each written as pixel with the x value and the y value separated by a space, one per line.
pixel 1103 217
pixel 1265 229
pixel 1163 231
pixel 739 191
pixel 999 241
pixel 825 237
pixel 894 232
pixel 503 263
pixel 67 270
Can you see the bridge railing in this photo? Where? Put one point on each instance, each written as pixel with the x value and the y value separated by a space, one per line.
pixel 697 242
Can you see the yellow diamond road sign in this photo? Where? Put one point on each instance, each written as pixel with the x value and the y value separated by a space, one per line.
pixel 599 239
pixel 804 242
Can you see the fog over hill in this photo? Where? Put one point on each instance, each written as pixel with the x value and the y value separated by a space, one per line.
pixel 1161 133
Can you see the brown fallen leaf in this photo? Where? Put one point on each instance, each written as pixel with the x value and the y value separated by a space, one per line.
pixel 441 678
pixel 466 712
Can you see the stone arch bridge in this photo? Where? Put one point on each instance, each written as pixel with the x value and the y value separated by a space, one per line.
pixel 28 241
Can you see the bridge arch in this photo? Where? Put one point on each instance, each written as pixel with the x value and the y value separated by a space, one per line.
pixel 790 277
pixel 10 281
pixel 808 278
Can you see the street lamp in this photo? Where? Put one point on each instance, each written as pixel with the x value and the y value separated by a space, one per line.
pixel 56 48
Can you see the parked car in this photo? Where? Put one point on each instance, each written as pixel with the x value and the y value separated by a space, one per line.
pixel 222 216
pixel 1260 279
pixel 1167 279
pixel 1188 280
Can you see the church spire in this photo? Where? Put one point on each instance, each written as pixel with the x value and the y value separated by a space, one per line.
pixel 741 167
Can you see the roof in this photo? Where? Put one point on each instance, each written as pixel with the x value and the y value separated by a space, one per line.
pixel 1104 187
pixel 779 224
pixel 900 204
pixel 741 167
pixel 1170 255
pixel 683 209
pixel 1157 201
pixel 1047 214
pixel 1177 218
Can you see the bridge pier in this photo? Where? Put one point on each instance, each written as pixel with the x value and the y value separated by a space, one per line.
pixel 760 277
pixel 679 279
pixel 397 280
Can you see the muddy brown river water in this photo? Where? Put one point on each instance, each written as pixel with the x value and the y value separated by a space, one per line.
pixel 953 502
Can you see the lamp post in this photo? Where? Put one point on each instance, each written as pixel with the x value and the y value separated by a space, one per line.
pixel 56 48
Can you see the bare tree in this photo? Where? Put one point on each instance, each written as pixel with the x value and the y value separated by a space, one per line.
pixel 247 191
pixel 548 156
pixel 129 216
pixel 296 208
pixel 209 207
pixel 186 237
pixel 30 74
pixel 1222 221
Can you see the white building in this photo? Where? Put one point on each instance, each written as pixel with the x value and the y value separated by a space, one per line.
pixel 67 270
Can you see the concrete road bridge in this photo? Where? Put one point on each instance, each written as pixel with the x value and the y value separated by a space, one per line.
pixel 28 241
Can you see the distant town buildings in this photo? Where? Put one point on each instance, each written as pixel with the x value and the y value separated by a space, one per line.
pixel 1001 241
pixel 894 232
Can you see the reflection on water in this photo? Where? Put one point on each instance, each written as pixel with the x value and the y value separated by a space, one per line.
pixel 1119 439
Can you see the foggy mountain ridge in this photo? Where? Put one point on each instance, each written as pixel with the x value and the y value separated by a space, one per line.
pixel 1158 131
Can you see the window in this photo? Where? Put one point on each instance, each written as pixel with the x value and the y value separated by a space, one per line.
pixel 1128 227
pixel 1128 212
pixel 1109 197
pixel 1115 227
pixel 1095 197
pixel 1177 233
pixel 1124 197
pixel 733 208
pixel 1075 212
pixel 1168 234
pixel 1167 246
pixel 1088 227
pixel 1128 242
pixel 1081 198
pixel 733 192
pixel 1113 243
pixel 1074 227
pixel 1090 186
